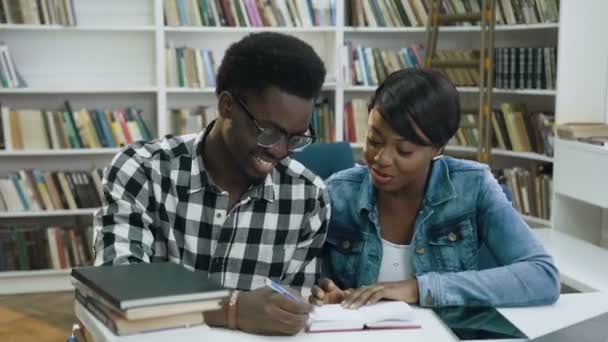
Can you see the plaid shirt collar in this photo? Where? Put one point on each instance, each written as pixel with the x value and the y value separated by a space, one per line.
pixel 199 178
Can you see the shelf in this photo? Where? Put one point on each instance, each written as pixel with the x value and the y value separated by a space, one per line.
pixel 48 213
pixel 211 90
pixel 13 282
pixel 422 29
pixel 62 152
pixel 175 90
pixel 581 265
pixel 534 92
pixel 54 90
pixel 216 29
pixel 580 172
pixel 60 28
pixel 536 222
pixel 537 92
pixel 503 153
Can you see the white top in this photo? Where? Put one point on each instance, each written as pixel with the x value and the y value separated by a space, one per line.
pixel 396 264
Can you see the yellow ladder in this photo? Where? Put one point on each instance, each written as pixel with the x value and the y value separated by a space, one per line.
pixel 485 62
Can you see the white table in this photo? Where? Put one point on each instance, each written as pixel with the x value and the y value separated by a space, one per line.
pixel 533 321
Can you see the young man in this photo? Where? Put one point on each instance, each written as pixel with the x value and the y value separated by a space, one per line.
pixel 229 201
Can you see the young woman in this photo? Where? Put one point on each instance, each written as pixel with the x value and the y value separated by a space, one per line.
pixel 412 224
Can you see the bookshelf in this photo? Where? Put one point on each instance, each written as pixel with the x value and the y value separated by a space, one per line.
pixel 115 57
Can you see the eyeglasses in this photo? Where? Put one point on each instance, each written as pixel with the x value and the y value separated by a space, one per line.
pixel 270 135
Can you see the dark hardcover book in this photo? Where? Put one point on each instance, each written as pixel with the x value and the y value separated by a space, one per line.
pixel 2 138
pixel 141 285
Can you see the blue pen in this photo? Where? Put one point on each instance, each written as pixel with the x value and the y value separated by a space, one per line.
pixel 280 289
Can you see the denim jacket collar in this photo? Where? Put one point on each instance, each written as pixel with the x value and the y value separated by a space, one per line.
pixel 439 188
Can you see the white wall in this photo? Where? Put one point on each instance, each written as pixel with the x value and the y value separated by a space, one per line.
pixel 582 76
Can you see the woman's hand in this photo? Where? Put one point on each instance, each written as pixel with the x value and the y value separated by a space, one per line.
pixel 406 291
pixel 327 293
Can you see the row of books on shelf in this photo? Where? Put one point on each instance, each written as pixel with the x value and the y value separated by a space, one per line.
pixel 323 119
pixel 38 12
pixel 36 248
pixel 399 13
pixel 514 68
pixel 530 189
pixel 525 67
pixel 40 129
pixel 514 129
pixel 193 120
pixel 189 67
pixel 9 75
pixel 369 66
pixel 250 13
pixel 37 190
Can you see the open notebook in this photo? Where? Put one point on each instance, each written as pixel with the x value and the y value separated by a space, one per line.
pixel 382 315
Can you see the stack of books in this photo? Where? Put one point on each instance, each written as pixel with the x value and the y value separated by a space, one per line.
pixel 140 298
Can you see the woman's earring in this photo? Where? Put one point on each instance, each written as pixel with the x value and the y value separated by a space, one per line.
pixel 439 156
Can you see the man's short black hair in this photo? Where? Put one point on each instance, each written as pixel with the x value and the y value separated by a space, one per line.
pixel 261 60
pixel 419 97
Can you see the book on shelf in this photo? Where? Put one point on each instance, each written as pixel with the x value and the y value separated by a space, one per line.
pixel 38 12
pixel 10 77
pixel 531 189
pixel 146 296
pixel 323 121
pixel 189 67
pixel 34 248
pixel 36 190
pixel 250 13
pixel 369 65
pixel 42 129
pixel 191 120
pixel 381 315
pixel 581 130
pixel 514 129
pixel 403 13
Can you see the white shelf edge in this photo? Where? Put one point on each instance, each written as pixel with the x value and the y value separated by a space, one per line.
pixel 542 223
pixel 224 29
pixel 60 28
pixel 32 281
pixel 62 152
pixel 537 92
pixel 55 90
pixel 474 28
pixel 34 273
pixel 48 213
pixel 211 90
pixel 504 153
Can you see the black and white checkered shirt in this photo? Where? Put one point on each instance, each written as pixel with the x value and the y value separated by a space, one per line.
pixel 163 206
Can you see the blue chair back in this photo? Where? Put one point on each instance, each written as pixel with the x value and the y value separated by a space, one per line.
pixel 326 159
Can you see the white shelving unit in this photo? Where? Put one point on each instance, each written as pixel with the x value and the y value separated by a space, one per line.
pixel 115 58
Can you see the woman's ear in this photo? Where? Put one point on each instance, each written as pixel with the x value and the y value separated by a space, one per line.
pixel 225 104
pixel 439 152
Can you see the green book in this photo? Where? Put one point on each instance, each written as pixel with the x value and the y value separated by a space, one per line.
pixel 145 285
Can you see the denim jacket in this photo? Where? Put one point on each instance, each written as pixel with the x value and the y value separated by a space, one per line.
pixel 464 209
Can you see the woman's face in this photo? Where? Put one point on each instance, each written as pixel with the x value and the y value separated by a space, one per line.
pixel 394 162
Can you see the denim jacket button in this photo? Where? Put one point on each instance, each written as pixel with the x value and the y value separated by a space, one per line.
pixel 429 300
pixel 420 250
pixel 452 236
pixel 346 244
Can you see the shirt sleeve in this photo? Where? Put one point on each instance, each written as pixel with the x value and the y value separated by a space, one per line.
pixel 124 227
pixel 526 274
pixel 304 267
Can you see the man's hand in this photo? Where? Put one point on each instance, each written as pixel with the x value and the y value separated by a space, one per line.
pixel 264 311
pixel 406 291
pixel 327 293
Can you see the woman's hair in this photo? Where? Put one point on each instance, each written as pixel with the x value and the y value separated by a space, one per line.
pixel 419 97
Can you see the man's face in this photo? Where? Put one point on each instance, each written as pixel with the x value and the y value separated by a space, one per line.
pixel 289 113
